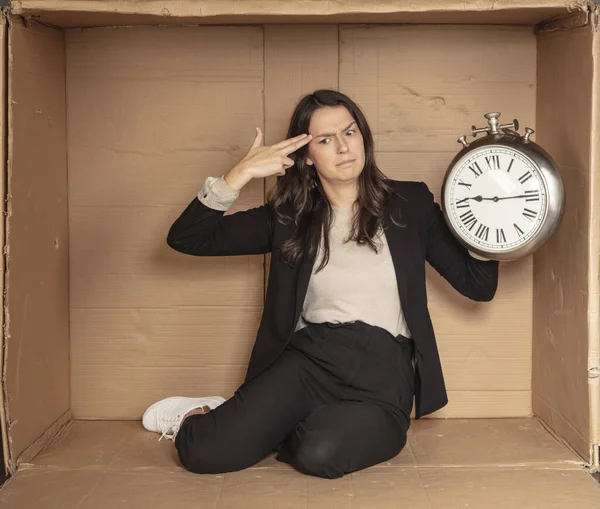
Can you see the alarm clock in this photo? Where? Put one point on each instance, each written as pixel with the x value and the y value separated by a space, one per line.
pixel 502 194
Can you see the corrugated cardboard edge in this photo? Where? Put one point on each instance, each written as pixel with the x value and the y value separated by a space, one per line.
pixel 54 433
pixel 574 19
pixel 209 8
pixel 3 189
pixel 93 13
pixel 9 460
pixel 594 254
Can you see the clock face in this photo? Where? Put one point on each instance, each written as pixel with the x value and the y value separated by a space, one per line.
pixel 496 199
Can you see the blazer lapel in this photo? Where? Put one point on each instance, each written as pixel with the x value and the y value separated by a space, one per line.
pixel 304 273
pixel 399 244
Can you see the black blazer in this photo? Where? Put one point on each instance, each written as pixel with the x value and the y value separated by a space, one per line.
pixel 424 236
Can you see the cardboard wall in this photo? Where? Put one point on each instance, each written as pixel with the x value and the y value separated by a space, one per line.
pixel 562 266
pixel 152 113
pixel 37 291
pixel 145 129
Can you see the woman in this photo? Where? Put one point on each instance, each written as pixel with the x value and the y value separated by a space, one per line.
pixel 345 340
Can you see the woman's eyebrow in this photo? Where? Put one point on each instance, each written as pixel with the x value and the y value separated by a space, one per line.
pixel 331 134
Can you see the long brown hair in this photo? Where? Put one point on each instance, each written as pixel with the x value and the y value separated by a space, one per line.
pixel 299 199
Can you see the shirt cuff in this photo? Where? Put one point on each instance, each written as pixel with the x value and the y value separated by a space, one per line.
pixel 217 194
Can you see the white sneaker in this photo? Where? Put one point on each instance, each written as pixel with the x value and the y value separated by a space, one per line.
pixel 165 416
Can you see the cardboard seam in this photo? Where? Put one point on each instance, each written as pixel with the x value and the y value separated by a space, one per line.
pixel 68 219
pixel 552 432
pixel 53 434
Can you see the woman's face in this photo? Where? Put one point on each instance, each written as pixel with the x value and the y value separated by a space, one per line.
pixel 336 149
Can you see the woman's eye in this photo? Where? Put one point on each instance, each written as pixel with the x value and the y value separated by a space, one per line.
pixel 351 131
pixel 324 140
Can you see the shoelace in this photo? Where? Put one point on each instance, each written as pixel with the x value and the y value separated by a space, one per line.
pixel 170 427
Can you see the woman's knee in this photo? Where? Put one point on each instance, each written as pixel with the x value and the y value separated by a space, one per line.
pixel 195 447
pixel 201 451
pixel 318 454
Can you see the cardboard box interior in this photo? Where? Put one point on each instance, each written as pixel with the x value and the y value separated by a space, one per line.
pixel 112 130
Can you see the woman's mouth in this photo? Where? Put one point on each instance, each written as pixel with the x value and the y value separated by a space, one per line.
pixel 348 162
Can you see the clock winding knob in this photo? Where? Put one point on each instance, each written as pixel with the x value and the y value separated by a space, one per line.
pixel 494 125
pixel 492 119
pixel 463 140
pixel 528 133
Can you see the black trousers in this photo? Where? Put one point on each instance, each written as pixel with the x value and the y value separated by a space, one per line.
pixel 337 400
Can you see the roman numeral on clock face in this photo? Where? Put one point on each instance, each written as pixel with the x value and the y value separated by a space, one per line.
pixel 482 232
pixel 462 204
pixel 510 165
pixel 493 162
pixel 500 237
pixel 525 177
pixel 519 231
pixel 468 219
pixel 476 169
pixel 532 195
pixel 461 183
pixel 529 214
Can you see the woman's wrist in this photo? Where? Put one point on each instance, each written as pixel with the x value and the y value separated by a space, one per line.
pixel 237 177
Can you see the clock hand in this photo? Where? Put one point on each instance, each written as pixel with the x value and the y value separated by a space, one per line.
pixel 496 198
pixel 476 198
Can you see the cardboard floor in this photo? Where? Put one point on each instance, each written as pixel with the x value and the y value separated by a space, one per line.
pixel 477 463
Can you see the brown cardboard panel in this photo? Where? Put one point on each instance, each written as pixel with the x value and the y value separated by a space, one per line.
pixel 59 428
pixel 133 490
pixel 111 445
pixel 145 184
pixel 164 337
pixel 561 427
pixel 500 488
pixel 561 268
pixel 474 404
pixel 130 390
pixel 145 130
pixel 98 12
pixel 487 463
pixel 48 489
pixel 91 445
pixel 389 489
pixel 287 489
pixel 376 488
pixel 37 376
pixel 80 489
pixel 118 251
pixel 488 442
pixel 420 94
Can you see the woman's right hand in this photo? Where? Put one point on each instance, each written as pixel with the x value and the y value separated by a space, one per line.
pixel 261 161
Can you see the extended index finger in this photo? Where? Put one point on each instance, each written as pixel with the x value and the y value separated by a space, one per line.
pixel 292 144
